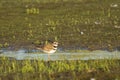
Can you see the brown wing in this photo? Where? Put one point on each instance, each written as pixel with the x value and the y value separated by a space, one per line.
pixel 48 47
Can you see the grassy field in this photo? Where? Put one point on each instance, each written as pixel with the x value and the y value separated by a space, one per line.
pixel 83 23
pixel 92 24
pixel 59 70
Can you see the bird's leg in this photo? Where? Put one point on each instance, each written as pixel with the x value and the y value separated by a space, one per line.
pixel 48 57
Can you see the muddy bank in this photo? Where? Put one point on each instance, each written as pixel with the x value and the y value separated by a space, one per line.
pixel 87 24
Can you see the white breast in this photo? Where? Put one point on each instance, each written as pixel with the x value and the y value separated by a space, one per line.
pixel 50 52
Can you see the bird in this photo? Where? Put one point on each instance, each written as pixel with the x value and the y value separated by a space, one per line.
pixel 49 47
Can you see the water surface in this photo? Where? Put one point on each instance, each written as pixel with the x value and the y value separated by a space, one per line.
pixel 61 55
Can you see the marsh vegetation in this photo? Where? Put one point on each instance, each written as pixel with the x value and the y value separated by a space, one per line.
pixel 89 24
pixel 58 70
pixel 93 24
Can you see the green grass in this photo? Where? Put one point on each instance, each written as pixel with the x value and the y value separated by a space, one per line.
pixel 24 22
pixel 52 69
pixel 80 23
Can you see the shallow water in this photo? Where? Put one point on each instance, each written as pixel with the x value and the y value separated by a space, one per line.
pixel 61 55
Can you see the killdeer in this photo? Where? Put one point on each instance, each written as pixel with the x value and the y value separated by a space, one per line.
pixel 49 48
